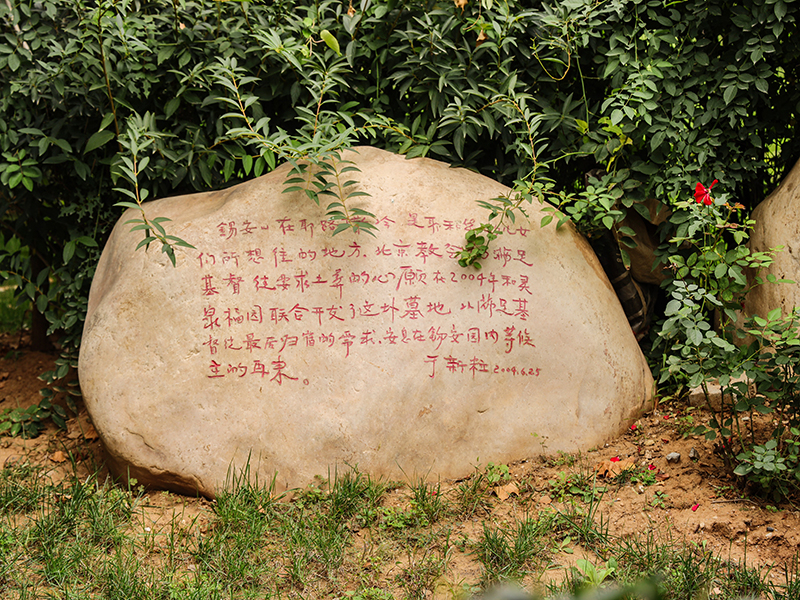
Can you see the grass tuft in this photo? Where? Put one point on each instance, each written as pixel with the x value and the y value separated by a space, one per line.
pixel 344 539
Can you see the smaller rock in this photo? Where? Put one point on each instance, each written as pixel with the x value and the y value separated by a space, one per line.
pixel 694 454
pixel 770 529
pixel 674 457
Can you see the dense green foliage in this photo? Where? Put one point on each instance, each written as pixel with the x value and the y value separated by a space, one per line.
pixel 106 101
pixel 693 90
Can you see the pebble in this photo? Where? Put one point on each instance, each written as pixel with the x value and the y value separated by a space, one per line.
pixel 694 454
pixel 674 457
pixel 770 529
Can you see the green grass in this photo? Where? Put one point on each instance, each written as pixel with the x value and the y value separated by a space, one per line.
pixel 346 538
pixel 511 552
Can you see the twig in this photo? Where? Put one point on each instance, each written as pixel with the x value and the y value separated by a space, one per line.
pixel 15 26
pixel 735 500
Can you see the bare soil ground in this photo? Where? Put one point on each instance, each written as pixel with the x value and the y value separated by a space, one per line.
pixel 693 499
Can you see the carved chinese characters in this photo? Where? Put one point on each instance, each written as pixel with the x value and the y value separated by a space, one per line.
pixel 275 342
pixel 265 304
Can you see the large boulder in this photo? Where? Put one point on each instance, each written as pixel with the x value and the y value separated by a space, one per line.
pixel 778 224
pixel 275 343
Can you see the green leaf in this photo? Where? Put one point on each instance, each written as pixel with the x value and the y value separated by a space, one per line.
pixel 128 205
pixel 15 180
pixel 69 251
pixel 656 140
pixel 172 106
pixel 165 52
pixel 340 228
pixel 86 241
pixel 331 40
pixel 729 93
pixel 98 139
pixel 146 242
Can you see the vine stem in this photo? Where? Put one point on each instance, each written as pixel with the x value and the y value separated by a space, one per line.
pixel 15 25
pixel 347 218
pixel 319 103
pixel 254 134
pixel 100 14
pixel 524 119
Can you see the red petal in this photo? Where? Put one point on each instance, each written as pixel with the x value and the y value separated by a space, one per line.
pixel 699 192
pixel 614 459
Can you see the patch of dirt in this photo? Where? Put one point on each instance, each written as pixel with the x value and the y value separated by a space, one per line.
pixel 693 500
pixel 61 453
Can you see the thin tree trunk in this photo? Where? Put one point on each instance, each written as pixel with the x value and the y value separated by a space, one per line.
pixel 633 297
pixel 39 324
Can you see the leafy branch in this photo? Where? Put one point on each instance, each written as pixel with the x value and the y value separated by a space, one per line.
pixel 138 138
pixel 314 153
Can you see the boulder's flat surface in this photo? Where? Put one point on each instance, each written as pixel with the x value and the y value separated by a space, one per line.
pixel 778 224
pixel 275 342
